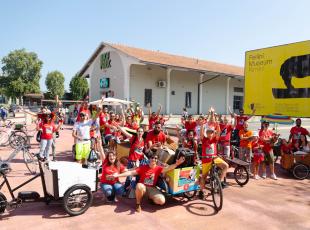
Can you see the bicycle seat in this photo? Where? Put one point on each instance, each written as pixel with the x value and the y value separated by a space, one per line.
pixel 4 168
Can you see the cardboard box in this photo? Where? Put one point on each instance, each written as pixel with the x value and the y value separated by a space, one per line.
pixel 183 179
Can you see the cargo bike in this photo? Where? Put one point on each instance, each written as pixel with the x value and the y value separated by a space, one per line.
pixel 298 164
pixel 65 182
pixel 184 180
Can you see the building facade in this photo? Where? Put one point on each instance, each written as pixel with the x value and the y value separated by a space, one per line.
pixel 175 82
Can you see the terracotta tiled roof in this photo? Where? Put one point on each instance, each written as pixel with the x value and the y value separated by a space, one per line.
pixel 161 58
pixel 178 61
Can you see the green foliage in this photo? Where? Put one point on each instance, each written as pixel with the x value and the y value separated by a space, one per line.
pixel 21 73
pixel 55 84
pixel 78 87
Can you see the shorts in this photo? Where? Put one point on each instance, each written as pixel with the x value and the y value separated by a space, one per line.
pixel 245 153
pixel 269 158
pixel 82 150
pixel 153 193
pixel 207 166
pixel 258 158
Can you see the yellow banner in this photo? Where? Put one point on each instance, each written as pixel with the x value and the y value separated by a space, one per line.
pixel 277 80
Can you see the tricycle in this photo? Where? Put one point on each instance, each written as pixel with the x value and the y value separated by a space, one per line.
pixel 66 182
pixel 297 163
pixel 184 182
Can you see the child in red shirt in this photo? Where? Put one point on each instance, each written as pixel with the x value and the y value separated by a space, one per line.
pixel 257 149
pixel 48 128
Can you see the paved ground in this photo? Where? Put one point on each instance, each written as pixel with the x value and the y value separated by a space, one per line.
pixel 264 204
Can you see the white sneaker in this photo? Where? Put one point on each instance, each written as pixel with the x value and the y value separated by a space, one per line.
pixel 256 177
pixel 264 176
pixel 273 176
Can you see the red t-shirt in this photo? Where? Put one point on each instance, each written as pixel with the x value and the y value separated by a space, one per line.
pixel 110 170
pixel 225 133
pixel 136 149
pixel 152 121
pixel 112 131
pixel 149 176
pixel 190 125
pixel 286 148
pixel 103 118
pixel 296 132
pixel 265 135
pixel 161 137
pixel 208 149
pixel 240 121
pixel 256 148
pixel 190 144
pixel 47 130
pixel 133 125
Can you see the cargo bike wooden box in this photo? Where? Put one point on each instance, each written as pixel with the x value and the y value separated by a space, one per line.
pixel 66 182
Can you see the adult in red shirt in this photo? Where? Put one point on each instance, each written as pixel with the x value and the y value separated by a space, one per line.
pixel 148 179
pixel 155 138
pixel 239 122
pixel 83 109
pixel 111 186
pixel 136 152
pixel 297 131
pixel 153 117
pixel 112 133
pixel 225 134
pixel 267 138
pixel 47 128
pixel 131 123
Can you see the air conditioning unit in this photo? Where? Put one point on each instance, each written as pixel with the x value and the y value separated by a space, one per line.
pixel 161 84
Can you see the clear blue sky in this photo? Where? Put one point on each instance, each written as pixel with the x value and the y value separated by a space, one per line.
pixel 65 33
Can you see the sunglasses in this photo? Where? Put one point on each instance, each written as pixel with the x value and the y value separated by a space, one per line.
pixel 155 158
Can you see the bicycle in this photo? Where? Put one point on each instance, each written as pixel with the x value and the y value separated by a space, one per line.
pixel 29 159
pixel 214 185
pixel 14 136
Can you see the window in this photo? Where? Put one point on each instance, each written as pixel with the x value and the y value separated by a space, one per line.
pixel 238 102
pixel 147 96
pixel 188 99
pixel 238 90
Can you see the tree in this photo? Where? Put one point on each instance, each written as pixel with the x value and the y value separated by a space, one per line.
pixel 55 84
pixel 78 87
pixel 21 73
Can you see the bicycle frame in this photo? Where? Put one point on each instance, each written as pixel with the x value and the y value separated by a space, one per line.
pixel 12 190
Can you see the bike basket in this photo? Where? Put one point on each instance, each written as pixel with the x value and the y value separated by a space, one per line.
pixel 18 126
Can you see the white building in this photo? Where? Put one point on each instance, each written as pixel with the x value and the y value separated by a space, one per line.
pixel 156 77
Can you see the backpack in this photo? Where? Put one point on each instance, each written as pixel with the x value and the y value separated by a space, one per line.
pixel 93 156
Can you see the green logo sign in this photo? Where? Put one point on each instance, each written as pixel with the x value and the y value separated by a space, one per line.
pixel 105 61
pixel 104 82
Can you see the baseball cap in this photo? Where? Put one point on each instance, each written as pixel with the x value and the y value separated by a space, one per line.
pixel 208 129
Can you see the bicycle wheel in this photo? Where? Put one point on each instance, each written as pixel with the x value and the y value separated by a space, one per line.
pixel 4 138
pixel 77 200
pixel 3 203
pixel 216 192
pixel 16 141
pixel 241 175
pixel 300 171
pixel 190 194
pixel 30 161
